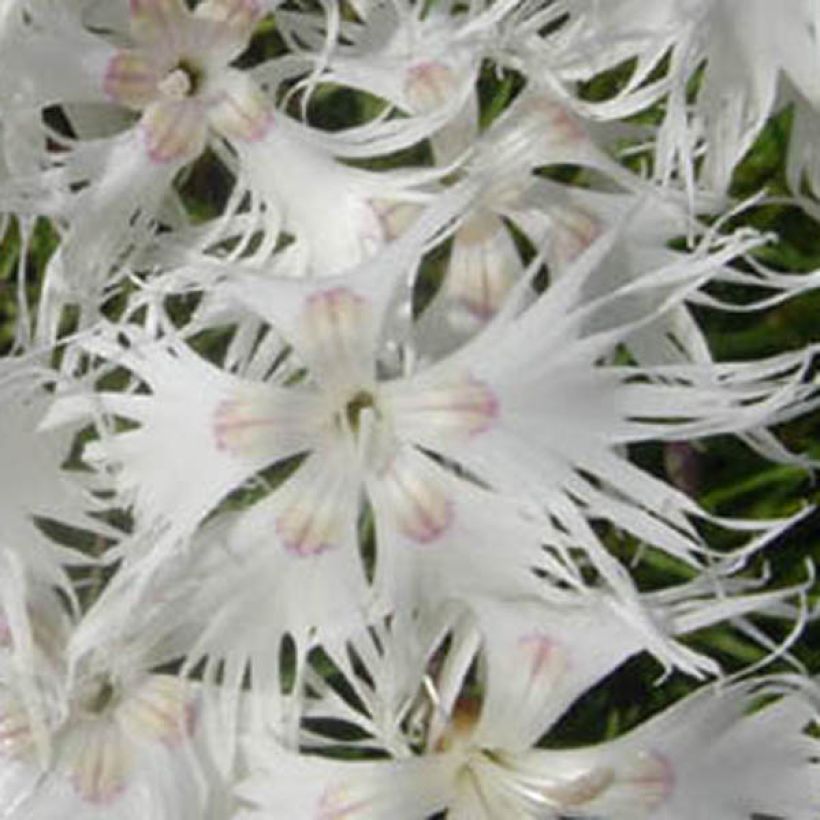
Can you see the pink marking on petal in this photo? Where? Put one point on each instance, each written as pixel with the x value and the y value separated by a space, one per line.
pixel 174 130
pixel 653 776
pixel 562 126
pixel 130 80
pixel 163 710
pixel 159 24
pixel 237 425
pixel 421 507
pixel 334 299
pixel 575 231
pixel 583 788
pixel 547 657
pixel 483 265
pixel 429 519
pixel 428 85
pixel 15 731
pixel 467 405
pixel 304 530
pixel 241 15
pixel 100 765
pixel 335 328
pixel 333 806
pixel 243 116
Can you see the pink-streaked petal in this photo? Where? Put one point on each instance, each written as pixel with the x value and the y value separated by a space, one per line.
pixel 131 79
pixel 287 785
pixel 239 110
pixel 16 738
pixel 159 24
pixel 314 513
pixel 416 497
pixel 99 762
pixel 175 130
pixel 430 85
pixel 460 406
pixel 336 332
pixel 232 23
pixel 581 789
pixel 574 230
pixel 561 651
pixel 546 659
pixel 256 421
pixel 483 265
pixel 163 709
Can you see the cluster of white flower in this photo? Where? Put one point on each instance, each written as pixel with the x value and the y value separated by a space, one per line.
pixel 338 325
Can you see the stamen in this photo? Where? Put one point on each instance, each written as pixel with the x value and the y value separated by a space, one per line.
pixel 354 407
pixel 462 723
pixel 100 695
pixel 177 85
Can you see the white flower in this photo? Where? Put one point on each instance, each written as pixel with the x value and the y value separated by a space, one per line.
pixel 298 552
pixel 97 736
pixel 178 75
pixel 457 461
pixel 478 756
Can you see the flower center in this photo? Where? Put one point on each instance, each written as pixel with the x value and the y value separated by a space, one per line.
pixel 185 80
pixel 361 400
pixel 98 696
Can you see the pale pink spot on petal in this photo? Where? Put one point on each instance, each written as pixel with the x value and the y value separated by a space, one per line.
pixel 336 333
pixel 239 17
pixel 163 709
pixel 243 426
pixel 547 658
pixel 650 776
pixel 240 111
pixel 583 788
pixel 174 130
pixel 394 217
pixel 466 405
pixel 309 524
pixel 483 265
pixel 158 22
pixel 417 498
pixel 131 79
pixel 574 231
pixel 15 731
pixel 99 762
pixel 429 85
pixel 336 803
pixel 557 122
